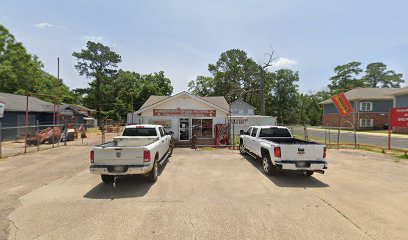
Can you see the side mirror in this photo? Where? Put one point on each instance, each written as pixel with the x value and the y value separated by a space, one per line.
pixel 171 133
pixel 241 132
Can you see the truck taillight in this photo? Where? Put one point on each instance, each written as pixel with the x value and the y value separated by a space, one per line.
pixel 324 152
pixel 277 152
pixel 91 156
pixel 146 156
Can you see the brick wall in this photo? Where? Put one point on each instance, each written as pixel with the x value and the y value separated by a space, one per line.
pixel 332 120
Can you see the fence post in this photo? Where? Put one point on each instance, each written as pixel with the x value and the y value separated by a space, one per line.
pixel 103 132
pixel 1 139
pixel 38 136
pixel 65 132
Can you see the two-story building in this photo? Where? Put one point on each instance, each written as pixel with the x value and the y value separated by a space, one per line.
pixel 371 109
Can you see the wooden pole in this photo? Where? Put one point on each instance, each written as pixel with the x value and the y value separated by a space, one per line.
pixel 26 128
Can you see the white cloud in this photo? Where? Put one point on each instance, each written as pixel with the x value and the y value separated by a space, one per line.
pixel 284 62
pixel 47 25
pixel 92 38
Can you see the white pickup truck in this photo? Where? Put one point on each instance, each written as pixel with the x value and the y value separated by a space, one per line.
pixel 139 150
pixel 279 150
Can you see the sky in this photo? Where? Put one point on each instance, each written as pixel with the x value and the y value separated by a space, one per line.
pixel 182 37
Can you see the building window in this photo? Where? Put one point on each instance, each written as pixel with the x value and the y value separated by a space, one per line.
pixel 202 128
pixel 366 106
pixel 365 123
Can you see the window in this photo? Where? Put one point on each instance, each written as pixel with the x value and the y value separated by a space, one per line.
pixel 142 132
pixel 274 133
pixel 161 131
pixel 366 122
pixel 254 132
pixel 202 128
pixel 366 106
pixel 248 132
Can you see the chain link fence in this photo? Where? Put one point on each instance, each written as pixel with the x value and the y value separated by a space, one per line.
pixel 15 140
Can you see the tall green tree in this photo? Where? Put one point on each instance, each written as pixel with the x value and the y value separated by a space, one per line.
pixel 377 75
pixel 284 96
pixel 233 73
pixel 21 72
pixel 346 77
pixel 120 90
pixel 202 86
pixel 97 62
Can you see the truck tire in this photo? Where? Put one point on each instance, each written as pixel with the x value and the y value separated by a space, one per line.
pixel 154 173
pixel 107 178
pixel 267 166
pixel 242 149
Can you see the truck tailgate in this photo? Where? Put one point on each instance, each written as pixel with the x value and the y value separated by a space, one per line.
pixel 301 152
pixel 118 156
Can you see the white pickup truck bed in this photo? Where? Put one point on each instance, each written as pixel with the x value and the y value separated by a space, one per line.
pixel 278 149
pixel 139 150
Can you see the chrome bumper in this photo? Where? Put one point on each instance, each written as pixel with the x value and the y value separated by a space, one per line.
pixel 126 169
pixel 301 165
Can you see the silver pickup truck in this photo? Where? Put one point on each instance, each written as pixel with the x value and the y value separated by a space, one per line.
pixel 139 150
pixel 278 149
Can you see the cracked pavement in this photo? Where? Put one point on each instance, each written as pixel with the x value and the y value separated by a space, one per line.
pixel 213 194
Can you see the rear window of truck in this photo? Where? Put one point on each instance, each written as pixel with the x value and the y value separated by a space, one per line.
pixel 140 132
pixel 274 133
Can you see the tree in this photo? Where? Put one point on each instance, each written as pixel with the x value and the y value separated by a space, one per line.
pixel 284 96
pixel 118 92
pixel 233 73
pixel 346 77
pixel 376 75
pixel 21 72
pixel 97 62
pixel 202 86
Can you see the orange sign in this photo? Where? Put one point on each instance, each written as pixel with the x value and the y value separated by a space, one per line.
pixel 342 104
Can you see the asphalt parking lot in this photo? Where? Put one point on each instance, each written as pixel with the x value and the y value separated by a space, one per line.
pixel 203 194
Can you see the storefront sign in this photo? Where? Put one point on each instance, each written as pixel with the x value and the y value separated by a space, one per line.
pixel 342 104
pixel 239 121
pixel 166 123
pixel 2 107
pixel 184 112
pixel 399 117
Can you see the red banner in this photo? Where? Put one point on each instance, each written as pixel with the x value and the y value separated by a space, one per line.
pixel 184 112
pixel 342 104
pixel 399 117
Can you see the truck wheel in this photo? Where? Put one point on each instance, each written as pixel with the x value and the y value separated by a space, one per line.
pixel 242 149
pixel 107 178
pixel 154 173
pixel 267 165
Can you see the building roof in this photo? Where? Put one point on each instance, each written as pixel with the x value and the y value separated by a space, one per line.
pixel 217 101
pixel 77 109
pixel 17 103
pixel 367 93
pixel 245 103
pixel 401 91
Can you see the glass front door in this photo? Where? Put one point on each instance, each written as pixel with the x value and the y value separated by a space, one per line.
pixel 184 129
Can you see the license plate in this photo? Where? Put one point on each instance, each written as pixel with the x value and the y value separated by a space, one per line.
pixel 118 168
pixel 301 164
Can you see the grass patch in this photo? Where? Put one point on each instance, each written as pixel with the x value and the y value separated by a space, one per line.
pixel 404 156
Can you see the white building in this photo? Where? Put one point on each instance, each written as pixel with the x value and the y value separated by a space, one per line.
pixel 186 115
